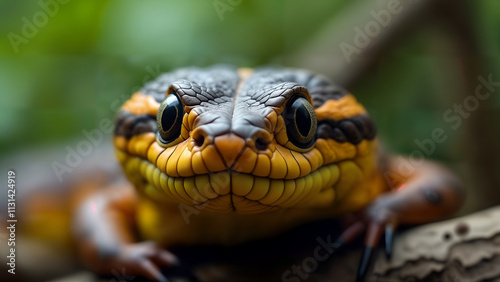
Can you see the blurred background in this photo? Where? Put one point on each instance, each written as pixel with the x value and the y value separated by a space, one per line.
pixel 67 65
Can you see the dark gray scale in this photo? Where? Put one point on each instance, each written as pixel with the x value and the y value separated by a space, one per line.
pixel 219 76
pixel 128 125
pixel 320 87
pixel 264 90
pixel 211 92
pixel 353 130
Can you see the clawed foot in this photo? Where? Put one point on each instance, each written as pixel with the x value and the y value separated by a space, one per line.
pixel 372 238
pixel 375 225
pixel 144 259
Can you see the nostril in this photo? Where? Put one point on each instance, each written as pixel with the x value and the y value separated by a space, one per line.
pixel 198 141
pixel 260 144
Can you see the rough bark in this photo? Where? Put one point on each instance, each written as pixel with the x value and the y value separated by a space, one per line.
pixel 462 249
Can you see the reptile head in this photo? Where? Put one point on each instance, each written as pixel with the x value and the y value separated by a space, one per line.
pixel 247 141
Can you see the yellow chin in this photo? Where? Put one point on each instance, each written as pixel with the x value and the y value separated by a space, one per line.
pixel 230 191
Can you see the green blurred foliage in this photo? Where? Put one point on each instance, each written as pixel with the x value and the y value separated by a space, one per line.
pixel 90 54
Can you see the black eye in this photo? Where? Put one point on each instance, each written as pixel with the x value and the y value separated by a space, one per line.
pixel 301 122
pixel 169 118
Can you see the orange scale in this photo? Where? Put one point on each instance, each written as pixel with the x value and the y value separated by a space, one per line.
pixel 143 142
pixel 293 168
pixel 278 166
pixel 174 160
pixel 154 151
pixel 304 164
pixel 246 161
pixel 184 164
pixel 212 159
pixel 263 166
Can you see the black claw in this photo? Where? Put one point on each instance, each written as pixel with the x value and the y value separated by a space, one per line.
pixel 338 244
pixel 364 264
pixel 389 240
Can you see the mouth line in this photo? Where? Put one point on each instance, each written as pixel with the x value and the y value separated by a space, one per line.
pixel 232 191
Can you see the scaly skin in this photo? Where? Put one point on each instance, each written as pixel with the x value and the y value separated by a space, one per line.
pixel 234 173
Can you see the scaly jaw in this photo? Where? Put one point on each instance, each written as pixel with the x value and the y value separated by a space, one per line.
pixel 230 191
